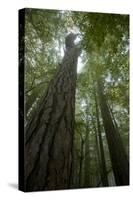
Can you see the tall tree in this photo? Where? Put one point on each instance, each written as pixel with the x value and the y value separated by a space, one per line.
pixel 87 150
pixel 81 159
pixel 49 134
pixel 97 150
pixel 103 168
pixel 117 152
pixel 52 161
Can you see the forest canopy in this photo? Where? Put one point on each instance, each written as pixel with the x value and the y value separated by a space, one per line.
pixel 100 147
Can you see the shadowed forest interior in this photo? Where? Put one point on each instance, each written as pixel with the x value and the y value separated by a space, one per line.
pixel 76 99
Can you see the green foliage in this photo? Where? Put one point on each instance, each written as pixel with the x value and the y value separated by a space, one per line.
pixel 105 43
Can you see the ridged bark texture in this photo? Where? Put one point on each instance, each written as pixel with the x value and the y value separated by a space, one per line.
pixel 49 134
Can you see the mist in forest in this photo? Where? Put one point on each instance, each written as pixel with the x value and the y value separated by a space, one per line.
pixel 76 99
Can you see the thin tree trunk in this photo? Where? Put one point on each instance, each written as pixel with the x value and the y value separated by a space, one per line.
pixel 117 152
pixel 97 152
pixel 49 134
pixel 103 170
pixel 81 162
pixel 87 152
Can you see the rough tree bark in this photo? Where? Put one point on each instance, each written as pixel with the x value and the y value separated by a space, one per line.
pixel 49 134
pixel 118 155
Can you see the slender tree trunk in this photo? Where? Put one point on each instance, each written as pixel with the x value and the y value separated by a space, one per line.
pixel 49 134
pixel 117 152
pixel 97 152
pixel 103 170
pixel 81 162
pixel 87 152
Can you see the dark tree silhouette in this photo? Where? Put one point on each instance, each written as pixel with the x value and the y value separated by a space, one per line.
pixel 87 151
pixel 118 155
pixel 103 168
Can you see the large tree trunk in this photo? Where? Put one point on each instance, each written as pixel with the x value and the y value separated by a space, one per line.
pixel 117 152
pixel 49 134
